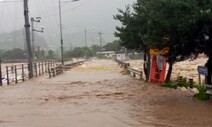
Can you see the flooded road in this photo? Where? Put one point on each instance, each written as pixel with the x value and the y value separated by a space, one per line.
pixel 96 94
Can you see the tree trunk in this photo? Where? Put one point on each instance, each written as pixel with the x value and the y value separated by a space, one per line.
pixel 145 64
pixel 148 65
pixel 168 76
pixel 209 62
pixel 209 66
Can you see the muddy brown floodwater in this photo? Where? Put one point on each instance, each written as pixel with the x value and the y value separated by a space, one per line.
pixel 96 94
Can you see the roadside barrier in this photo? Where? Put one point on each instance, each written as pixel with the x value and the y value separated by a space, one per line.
pixel 123 64
pixel 209 89
pixel 135 72
pixel 19 72
pixel 54 71
pixel 129 69
pixel 191 83
pixel 75 63
pixel 71 65
pixel 180 81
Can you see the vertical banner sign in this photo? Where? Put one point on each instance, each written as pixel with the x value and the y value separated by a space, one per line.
pixel 158 69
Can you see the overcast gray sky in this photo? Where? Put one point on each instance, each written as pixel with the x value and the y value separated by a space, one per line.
pixel 94 15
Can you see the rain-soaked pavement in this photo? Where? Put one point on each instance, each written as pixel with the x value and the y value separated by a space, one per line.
pixel 96 94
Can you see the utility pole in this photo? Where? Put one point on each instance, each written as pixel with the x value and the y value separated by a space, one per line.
pixel 28 41
pixel 61 34
pixel 100 40
pixel 24 38
pixel 61 29
pixel 86 37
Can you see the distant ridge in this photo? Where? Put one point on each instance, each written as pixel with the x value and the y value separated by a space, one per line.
pixel 16 39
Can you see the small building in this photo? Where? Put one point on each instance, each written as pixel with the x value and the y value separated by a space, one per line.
pixel 107 54
pixel 122 55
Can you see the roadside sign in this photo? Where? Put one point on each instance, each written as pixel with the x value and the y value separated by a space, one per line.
pixel 158 69
pixel 202 70
pixel 157 51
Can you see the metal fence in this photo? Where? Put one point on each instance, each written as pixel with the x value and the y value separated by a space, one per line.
pixel 19 72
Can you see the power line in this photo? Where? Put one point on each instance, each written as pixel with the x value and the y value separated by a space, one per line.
pixel 85 3
pixel 53 11
pixel 5 2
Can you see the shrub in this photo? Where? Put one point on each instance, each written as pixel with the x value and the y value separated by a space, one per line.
pixel 201 95
pixel 170 84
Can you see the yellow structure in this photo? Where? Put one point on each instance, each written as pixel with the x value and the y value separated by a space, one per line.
pixel 157 51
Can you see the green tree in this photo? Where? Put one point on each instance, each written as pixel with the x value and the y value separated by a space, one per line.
pixel 183 26
pixel 201 33
pixel 134 30
pixel 14 54
pixel 51 54
pixel 128 32
pixel 169 27
pixel 79 52
pixel 95 48
pixel 113 46
pixel 40 54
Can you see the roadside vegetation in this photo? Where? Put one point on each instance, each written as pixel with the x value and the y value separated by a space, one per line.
pixel 182 26
pixel 20 55
pixel 184 82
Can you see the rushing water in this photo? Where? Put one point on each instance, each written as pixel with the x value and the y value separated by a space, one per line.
pixel 99 97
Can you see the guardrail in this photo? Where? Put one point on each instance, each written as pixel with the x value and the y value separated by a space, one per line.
pixel 209 89
pixel 71 65
pixel 129 69
pixel 123 64
pixel 58 69
pixel 135 72
pixel 75 63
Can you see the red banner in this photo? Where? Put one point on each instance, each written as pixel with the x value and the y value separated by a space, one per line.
pixel 158 69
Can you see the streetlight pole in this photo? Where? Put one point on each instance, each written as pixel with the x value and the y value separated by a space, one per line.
pixel 61 29
pixel 33 39
pixel 32 29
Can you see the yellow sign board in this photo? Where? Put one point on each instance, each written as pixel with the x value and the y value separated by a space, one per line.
pixel 157 51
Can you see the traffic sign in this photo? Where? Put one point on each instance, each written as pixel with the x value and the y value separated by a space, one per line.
pixel 202 70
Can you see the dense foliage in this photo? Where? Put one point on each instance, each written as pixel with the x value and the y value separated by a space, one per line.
pixel 79 52
pixel 19 54
pixel 113 46
pixel 14 54
pixel 87 52
pixel 184 26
